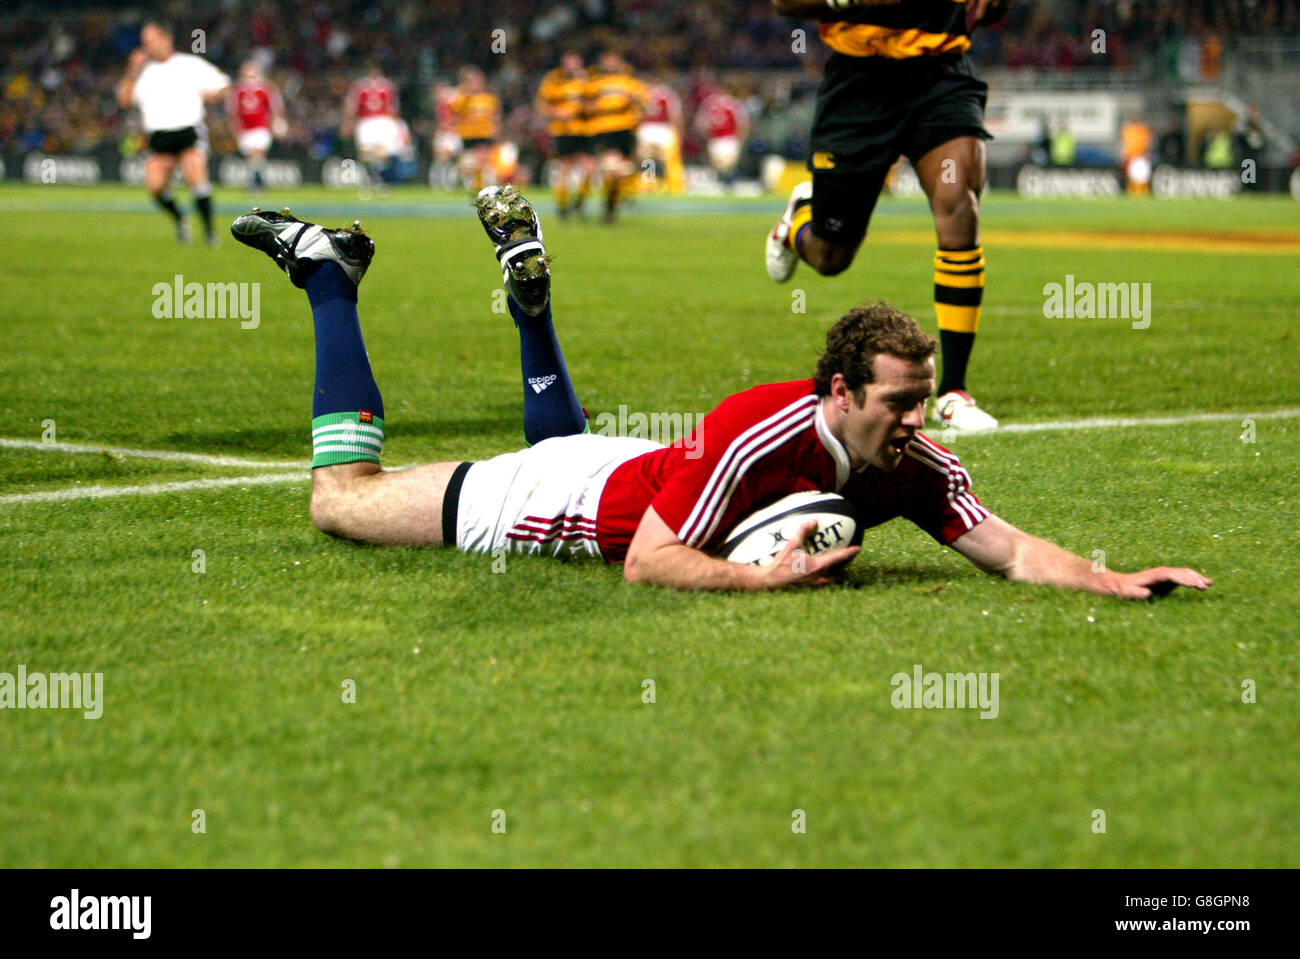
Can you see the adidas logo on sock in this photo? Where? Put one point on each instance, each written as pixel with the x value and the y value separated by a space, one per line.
pixel 539 383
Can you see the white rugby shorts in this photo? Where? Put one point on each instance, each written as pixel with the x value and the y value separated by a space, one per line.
pixel 379 136
pixel 656 136
pixel 541 500
pixel 257 138
pixel 724 153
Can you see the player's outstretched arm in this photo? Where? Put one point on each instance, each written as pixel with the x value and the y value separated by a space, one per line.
pixel 998 547
pixel 656 555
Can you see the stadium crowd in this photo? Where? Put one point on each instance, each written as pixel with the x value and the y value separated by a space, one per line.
pixel 56 89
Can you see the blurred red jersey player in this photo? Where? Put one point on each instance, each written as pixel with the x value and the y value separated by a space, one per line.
pixel 724 124
pixel 371 111
pixel 659 136
pixel 256 114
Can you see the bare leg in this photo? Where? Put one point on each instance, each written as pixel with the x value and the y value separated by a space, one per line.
pixel 825 257
pixel 158 173
pixel 194 167
pixel 851 196
pixel 157 179
pixel 361 502
pixel 953 176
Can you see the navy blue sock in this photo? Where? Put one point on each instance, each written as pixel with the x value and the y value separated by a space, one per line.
pixel 551 407
pixel 347 410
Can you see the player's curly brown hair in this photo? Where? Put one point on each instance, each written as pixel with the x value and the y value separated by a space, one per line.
pixel 855 339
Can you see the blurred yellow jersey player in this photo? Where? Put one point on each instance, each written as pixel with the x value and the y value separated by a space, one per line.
pixel 561 101
pixel 615 101
pixel 476 114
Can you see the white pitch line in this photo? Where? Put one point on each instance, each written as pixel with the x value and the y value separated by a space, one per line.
pixel 174 456
pixel 152 489
pixel 300 470
pixel 1114 422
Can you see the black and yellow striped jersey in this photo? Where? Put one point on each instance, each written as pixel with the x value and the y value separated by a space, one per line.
pixel 561 94
pixel 476 115
pixel 614 102
pixel 915 28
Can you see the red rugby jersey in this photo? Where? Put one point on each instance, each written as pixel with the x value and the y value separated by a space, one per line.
pixel 251 102
pixel 372 97
pixel 721 115
pixel 664 106
pixel 763 444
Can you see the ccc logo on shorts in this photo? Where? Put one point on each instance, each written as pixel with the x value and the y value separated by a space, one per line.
pixel 823 160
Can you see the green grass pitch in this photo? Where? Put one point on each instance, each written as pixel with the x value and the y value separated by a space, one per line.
pixel 520 689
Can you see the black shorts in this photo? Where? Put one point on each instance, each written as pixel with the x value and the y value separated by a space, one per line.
pixel 624 141
pixel 567 145
pixel 477 142
pixel 871 110
pixel 173 142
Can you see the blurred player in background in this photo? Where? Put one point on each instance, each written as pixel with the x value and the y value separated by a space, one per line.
pixel 476 113
pixel 171 90
pixel 256 114
pixel 1135 144
pixel 615 100
pixel 370 111
pixel 898 81
pixel 560 102
pixel 659 137
pixel 447 144
pixel 722 121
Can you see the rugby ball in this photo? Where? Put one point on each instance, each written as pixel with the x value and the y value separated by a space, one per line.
pixel 759 538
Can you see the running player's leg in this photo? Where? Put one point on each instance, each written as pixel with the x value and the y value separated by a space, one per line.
pixel 611 164
pixel 158 169
pixel 194 167
pixel 257 170
pixel 583 178
pixel 828 231
pixel 953 176
pixel 858 131
pixel 564 167
pixel 351 496
pixel 945 141
pixel 824 223
pixel 551 406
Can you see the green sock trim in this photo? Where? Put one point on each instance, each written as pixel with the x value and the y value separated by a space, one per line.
pixel 344 438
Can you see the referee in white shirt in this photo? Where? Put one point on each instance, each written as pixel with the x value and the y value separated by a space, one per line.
pixel 171 89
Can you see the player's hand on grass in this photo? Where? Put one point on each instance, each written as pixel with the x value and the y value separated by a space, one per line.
pixel 1157 582
pixel 795 566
